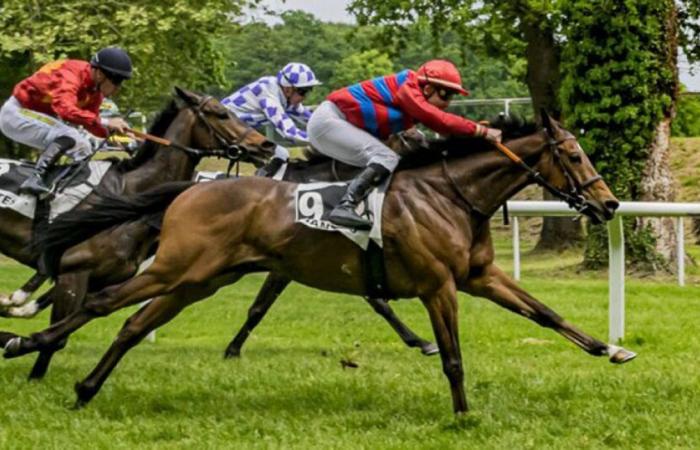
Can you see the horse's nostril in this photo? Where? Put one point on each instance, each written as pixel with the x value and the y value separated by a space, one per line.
pixel 612 204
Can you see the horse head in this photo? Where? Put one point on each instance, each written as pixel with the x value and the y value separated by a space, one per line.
pixel 218 128
pixel 569 170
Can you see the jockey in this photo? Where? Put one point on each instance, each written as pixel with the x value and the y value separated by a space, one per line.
pixel 352 122
pixel 61 93
pixel 276 100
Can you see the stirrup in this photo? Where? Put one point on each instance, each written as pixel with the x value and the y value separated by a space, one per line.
pixel 344 215
pixel 35 186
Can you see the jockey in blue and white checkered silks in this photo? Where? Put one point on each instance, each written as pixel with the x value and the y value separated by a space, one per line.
pixel 276 100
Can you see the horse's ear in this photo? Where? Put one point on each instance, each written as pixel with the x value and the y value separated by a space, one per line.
pixel 546 121
pixel 186 96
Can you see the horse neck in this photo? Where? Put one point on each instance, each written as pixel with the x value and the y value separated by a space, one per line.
pixel 167 163
pixel 488 179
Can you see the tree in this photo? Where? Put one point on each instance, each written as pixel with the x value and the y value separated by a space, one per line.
pixel 361 66
pixel 497 30
pixel 622 86
pixel 605 48
pixel 170 44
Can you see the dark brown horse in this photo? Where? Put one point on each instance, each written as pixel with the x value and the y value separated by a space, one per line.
pixel 436 242
pixel 114 255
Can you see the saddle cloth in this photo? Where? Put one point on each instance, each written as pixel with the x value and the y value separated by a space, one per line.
pixel 314 201
pixel 80 185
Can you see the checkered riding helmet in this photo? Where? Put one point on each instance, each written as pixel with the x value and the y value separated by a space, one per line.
pixel 297 75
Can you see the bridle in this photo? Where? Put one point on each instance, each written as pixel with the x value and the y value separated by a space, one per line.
pixel 573 196
pixel 233 151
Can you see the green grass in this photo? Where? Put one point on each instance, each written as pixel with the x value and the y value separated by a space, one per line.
pixel 528 387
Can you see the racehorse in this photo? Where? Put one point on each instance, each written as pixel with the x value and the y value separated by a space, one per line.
pixel 436 235
pixel 115 255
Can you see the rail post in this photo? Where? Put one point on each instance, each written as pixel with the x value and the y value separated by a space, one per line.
pixel 616 279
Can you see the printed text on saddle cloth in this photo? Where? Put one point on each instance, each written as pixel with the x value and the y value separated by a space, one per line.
pixel 314 201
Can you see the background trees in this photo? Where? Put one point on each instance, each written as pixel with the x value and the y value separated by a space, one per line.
pixel 607 67
pixel 170 44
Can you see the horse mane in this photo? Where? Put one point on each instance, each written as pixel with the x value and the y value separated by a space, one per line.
pixel 513 127
pixel 148 148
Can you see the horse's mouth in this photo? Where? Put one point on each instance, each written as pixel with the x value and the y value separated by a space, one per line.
pixel 599 213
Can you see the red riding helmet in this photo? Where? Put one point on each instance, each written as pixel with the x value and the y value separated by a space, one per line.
pixel 443 73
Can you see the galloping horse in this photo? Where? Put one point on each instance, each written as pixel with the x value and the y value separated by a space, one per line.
pixel 436 238
pixel 115 255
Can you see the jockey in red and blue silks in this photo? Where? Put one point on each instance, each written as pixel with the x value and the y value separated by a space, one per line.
pixel 350 125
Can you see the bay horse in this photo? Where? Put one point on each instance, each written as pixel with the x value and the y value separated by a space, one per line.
pixel 114 255
pixel 437 241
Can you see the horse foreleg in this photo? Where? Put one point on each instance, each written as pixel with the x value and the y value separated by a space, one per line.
pixel 23 294
pixel 132 291
pixel 269 292
pixel 68 294
pixel 442 308
pixel 410 338
pixel 152 315
pixel 498 287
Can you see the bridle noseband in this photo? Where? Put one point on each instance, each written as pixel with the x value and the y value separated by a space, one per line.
pixel 574 198
pixel 232 151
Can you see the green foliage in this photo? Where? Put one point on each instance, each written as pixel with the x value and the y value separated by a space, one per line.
pixel 527 386
pixel 170 43
pixel 687 121
pixel 618 86
pixel 260 49
pixel 361 66
pixel 330 48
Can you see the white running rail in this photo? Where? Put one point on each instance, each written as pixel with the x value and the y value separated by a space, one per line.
pixel 616 244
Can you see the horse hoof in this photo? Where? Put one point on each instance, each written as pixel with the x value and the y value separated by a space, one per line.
pixel 79 404
pixel 84 394
pixel 430 350
pixel 231 354
pixel 12 347
pixel 5 301
pixel 622 355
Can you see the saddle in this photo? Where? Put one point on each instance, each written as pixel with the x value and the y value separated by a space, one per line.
pixel 70 183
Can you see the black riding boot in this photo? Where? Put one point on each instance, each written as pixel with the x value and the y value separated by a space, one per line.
pixel 344 214
pixel 35 184
pixel 270 169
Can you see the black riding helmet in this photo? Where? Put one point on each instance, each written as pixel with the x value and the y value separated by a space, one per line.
pixel 114 62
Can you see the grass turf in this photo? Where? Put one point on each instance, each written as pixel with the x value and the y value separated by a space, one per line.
pixel 528 387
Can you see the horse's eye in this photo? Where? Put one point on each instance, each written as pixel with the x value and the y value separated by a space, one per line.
pixel 575 159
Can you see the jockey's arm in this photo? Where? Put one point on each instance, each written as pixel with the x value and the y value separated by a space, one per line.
pixel 65 103
pixel 414 103
pixel 284 124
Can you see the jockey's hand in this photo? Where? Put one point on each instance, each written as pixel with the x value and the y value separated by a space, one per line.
pixel 493 135
pixel 117 124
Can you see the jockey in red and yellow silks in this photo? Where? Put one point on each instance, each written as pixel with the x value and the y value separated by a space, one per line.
pixel 61 93
pixel 64 89
pixel 351 123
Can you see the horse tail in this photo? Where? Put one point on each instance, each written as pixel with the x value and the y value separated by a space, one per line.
pixel 105 210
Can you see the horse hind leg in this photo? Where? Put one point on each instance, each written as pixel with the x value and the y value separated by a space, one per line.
pixel 68 294
pixel 498 287
pixel 152 315
pixel 269 292
pixel 410 338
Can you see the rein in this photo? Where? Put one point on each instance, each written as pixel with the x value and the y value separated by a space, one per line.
pixel 233 152
pixel 574 198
